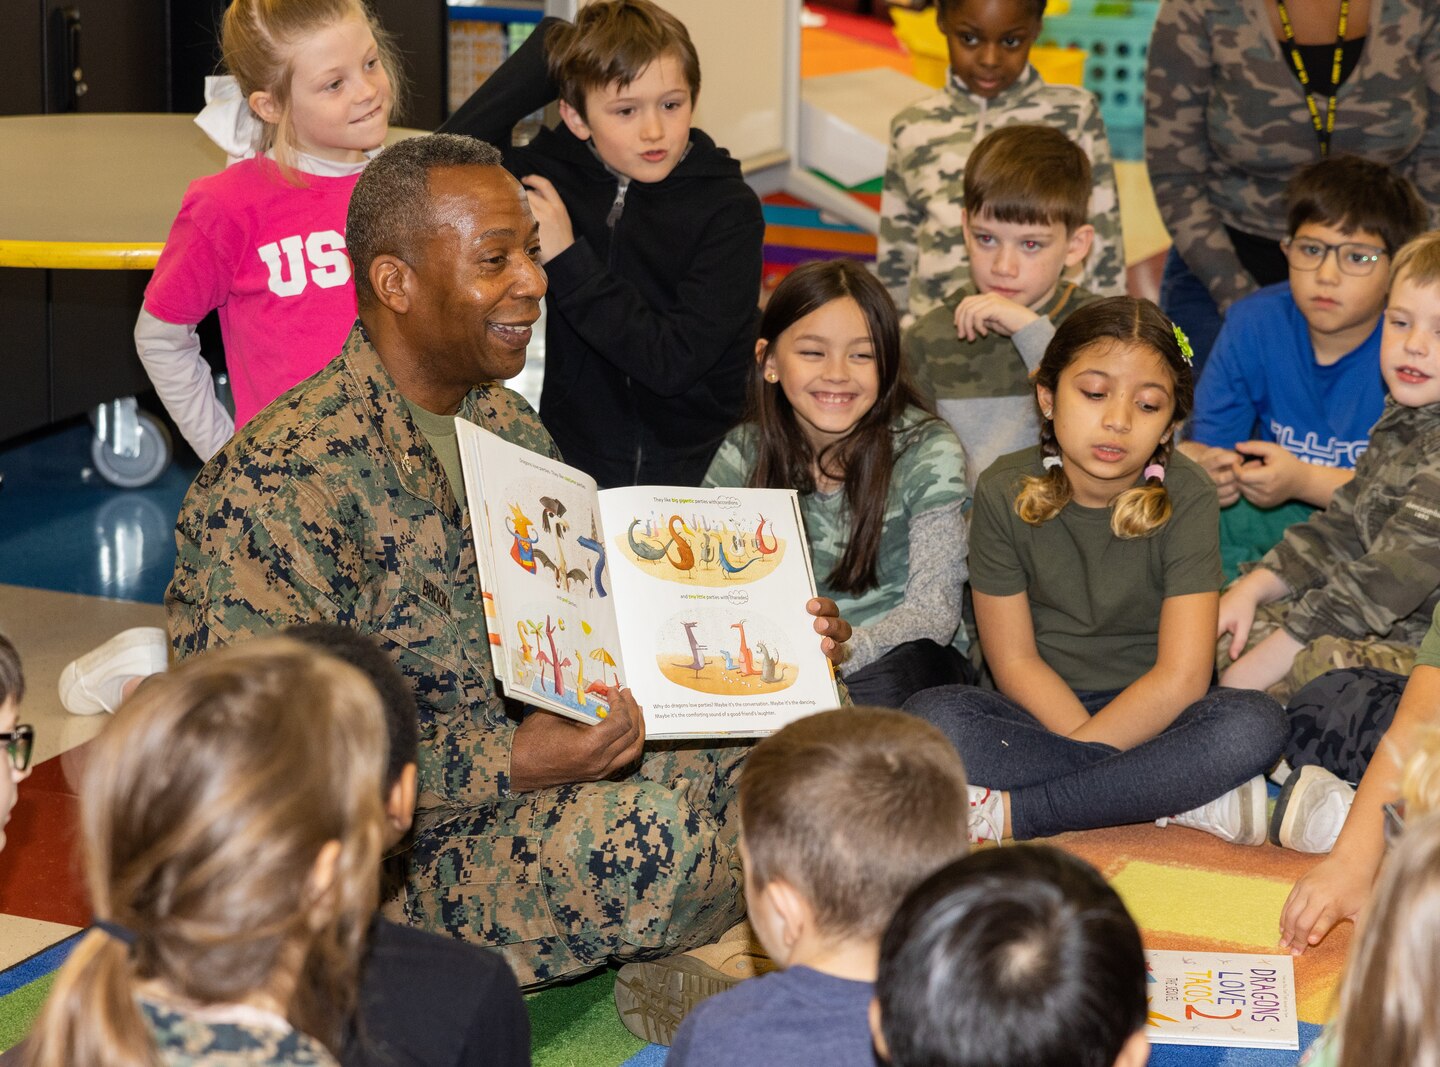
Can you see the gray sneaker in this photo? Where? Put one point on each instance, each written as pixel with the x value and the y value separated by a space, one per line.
pixel 1237 816
pixel 1312 808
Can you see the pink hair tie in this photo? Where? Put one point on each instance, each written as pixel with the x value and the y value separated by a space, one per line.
pixel 1155 471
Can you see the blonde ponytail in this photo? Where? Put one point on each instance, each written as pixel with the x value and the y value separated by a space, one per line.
pixel 91 1015
pixel 1143 509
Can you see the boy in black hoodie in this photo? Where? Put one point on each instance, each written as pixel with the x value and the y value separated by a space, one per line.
pixel 649 235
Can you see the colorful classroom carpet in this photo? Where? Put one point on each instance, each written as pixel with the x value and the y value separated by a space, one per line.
pixel 1186 890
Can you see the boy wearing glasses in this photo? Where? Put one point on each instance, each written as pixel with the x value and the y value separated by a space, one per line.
pixel 16 738
pixel 1356 585
pixel 1292 387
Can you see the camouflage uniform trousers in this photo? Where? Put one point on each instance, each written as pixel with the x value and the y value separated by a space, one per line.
pixel 563 880
pixel 1326 653
pixel 1338 719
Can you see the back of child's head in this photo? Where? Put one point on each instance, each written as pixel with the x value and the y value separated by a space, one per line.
pixel 204 807
pixel 1034 9
pixel 1013 957
pixel 1353 195
pixel 1420 777
pixel 12 678
pixel 1418 262
pixel 1392 981
pixel 1113 321
pixel 258 40
pixel 611 42
pixel 852 808
pixel 361 651
pixel 1028 175
pixel 865 456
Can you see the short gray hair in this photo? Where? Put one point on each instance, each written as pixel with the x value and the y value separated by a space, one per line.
pixel 390 207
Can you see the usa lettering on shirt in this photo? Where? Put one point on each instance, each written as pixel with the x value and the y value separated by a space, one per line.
pixel 294 262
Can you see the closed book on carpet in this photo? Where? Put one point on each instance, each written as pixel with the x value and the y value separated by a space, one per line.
pixel 1237 999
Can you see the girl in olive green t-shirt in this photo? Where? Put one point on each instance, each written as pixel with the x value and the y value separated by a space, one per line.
pixel 1096 572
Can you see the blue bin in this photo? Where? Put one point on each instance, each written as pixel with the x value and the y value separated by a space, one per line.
pixel 1116 34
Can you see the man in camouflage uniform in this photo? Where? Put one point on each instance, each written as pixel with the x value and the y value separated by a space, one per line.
pixel 922 257
pixel 334 504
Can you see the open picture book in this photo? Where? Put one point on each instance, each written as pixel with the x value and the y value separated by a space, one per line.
pixel 694 598
pixel 1239 999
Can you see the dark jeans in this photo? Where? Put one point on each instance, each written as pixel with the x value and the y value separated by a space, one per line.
pixel 1056 784
pixel 1185 299
pixel 1337 720
pixel 906 670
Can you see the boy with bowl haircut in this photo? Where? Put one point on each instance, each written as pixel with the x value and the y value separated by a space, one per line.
pixel 922 258
pixel 1024 220
pixel 1292 386
pixel 1356 585
pixel 1016 956
pixel 649 236
pixel 842 813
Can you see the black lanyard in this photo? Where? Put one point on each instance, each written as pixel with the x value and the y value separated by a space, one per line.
pixel 1326 129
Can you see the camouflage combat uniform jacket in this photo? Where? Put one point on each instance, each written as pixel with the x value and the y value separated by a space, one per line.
pixel 1226 125
pixel 922 256
pixel 1368 566
pixel 185 1039
pixel 330 505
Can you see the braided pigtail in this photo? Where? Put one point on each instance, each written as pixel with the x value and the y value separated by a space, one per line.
pixel 1041 497
pixel 1143 509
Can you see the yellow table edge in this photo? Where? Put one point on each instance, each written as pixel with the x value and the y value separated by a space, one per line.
pixel 80 255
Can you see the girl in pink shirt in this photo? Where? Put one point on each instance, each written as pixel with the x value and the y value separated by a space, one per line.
pixel 264 240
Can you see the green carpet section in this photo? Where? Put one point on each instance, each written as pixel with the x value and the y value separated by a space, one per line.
pixel 19 1009
pixel 575 1025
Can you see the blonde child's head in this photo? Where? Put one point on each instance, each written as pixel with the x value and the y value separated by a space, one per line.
pixel 321 75
pixel 1027 199
pixel 1410 338
pixel 1387 1003
pixel 847 810
pixel 1420 779
pixel 231 823
pixel 1114 383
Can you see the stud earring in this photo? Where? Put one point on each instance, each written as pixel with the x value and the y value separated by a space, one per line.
pixel 771 377
pixel 1047 413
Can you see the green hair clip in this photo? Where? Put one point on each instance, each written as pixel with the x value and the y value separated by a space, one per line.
pixel 1186 352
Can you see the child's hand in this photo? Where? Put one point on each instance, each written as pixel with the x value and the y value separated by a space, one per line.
pixel 1221 464
pixel 977 315
pixel 1276 478
pixel 1263 665
pixel 556 234
pixel 1329 893
pixel 833 630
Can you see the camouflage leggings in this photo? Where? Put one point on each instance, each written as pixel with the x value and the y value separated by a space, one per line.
pixel 1338 719
pixel 563 880
pixel 1321 655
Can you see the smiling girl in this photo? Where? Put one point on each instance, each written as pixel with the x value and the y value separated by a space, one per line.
pixel 1096 572
pixel 264 240
pixel 881 479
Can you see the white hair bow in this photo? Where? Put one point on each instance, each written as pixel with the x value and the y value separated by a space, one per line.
pixel 227 119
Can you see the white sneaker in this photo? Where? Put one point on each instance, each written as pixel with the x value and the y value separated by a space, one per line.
pixel 1312 808
pixel 96 681
pixel 1237 816
pixel 987 814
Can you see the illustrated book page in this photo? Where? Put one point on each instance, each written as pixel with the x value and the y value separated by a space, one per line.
pixel 543 575
pixel 1239 999
pixel 694 598
pixel 710 593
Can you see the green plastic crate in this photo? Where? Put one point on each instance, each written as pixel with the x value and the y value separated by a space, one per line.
pixel 1116 34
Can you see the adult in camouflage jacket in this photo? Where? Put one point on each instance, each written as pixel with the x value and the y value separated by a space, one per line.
pixel 1227 126
pixel 922 257
pixel 533 833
